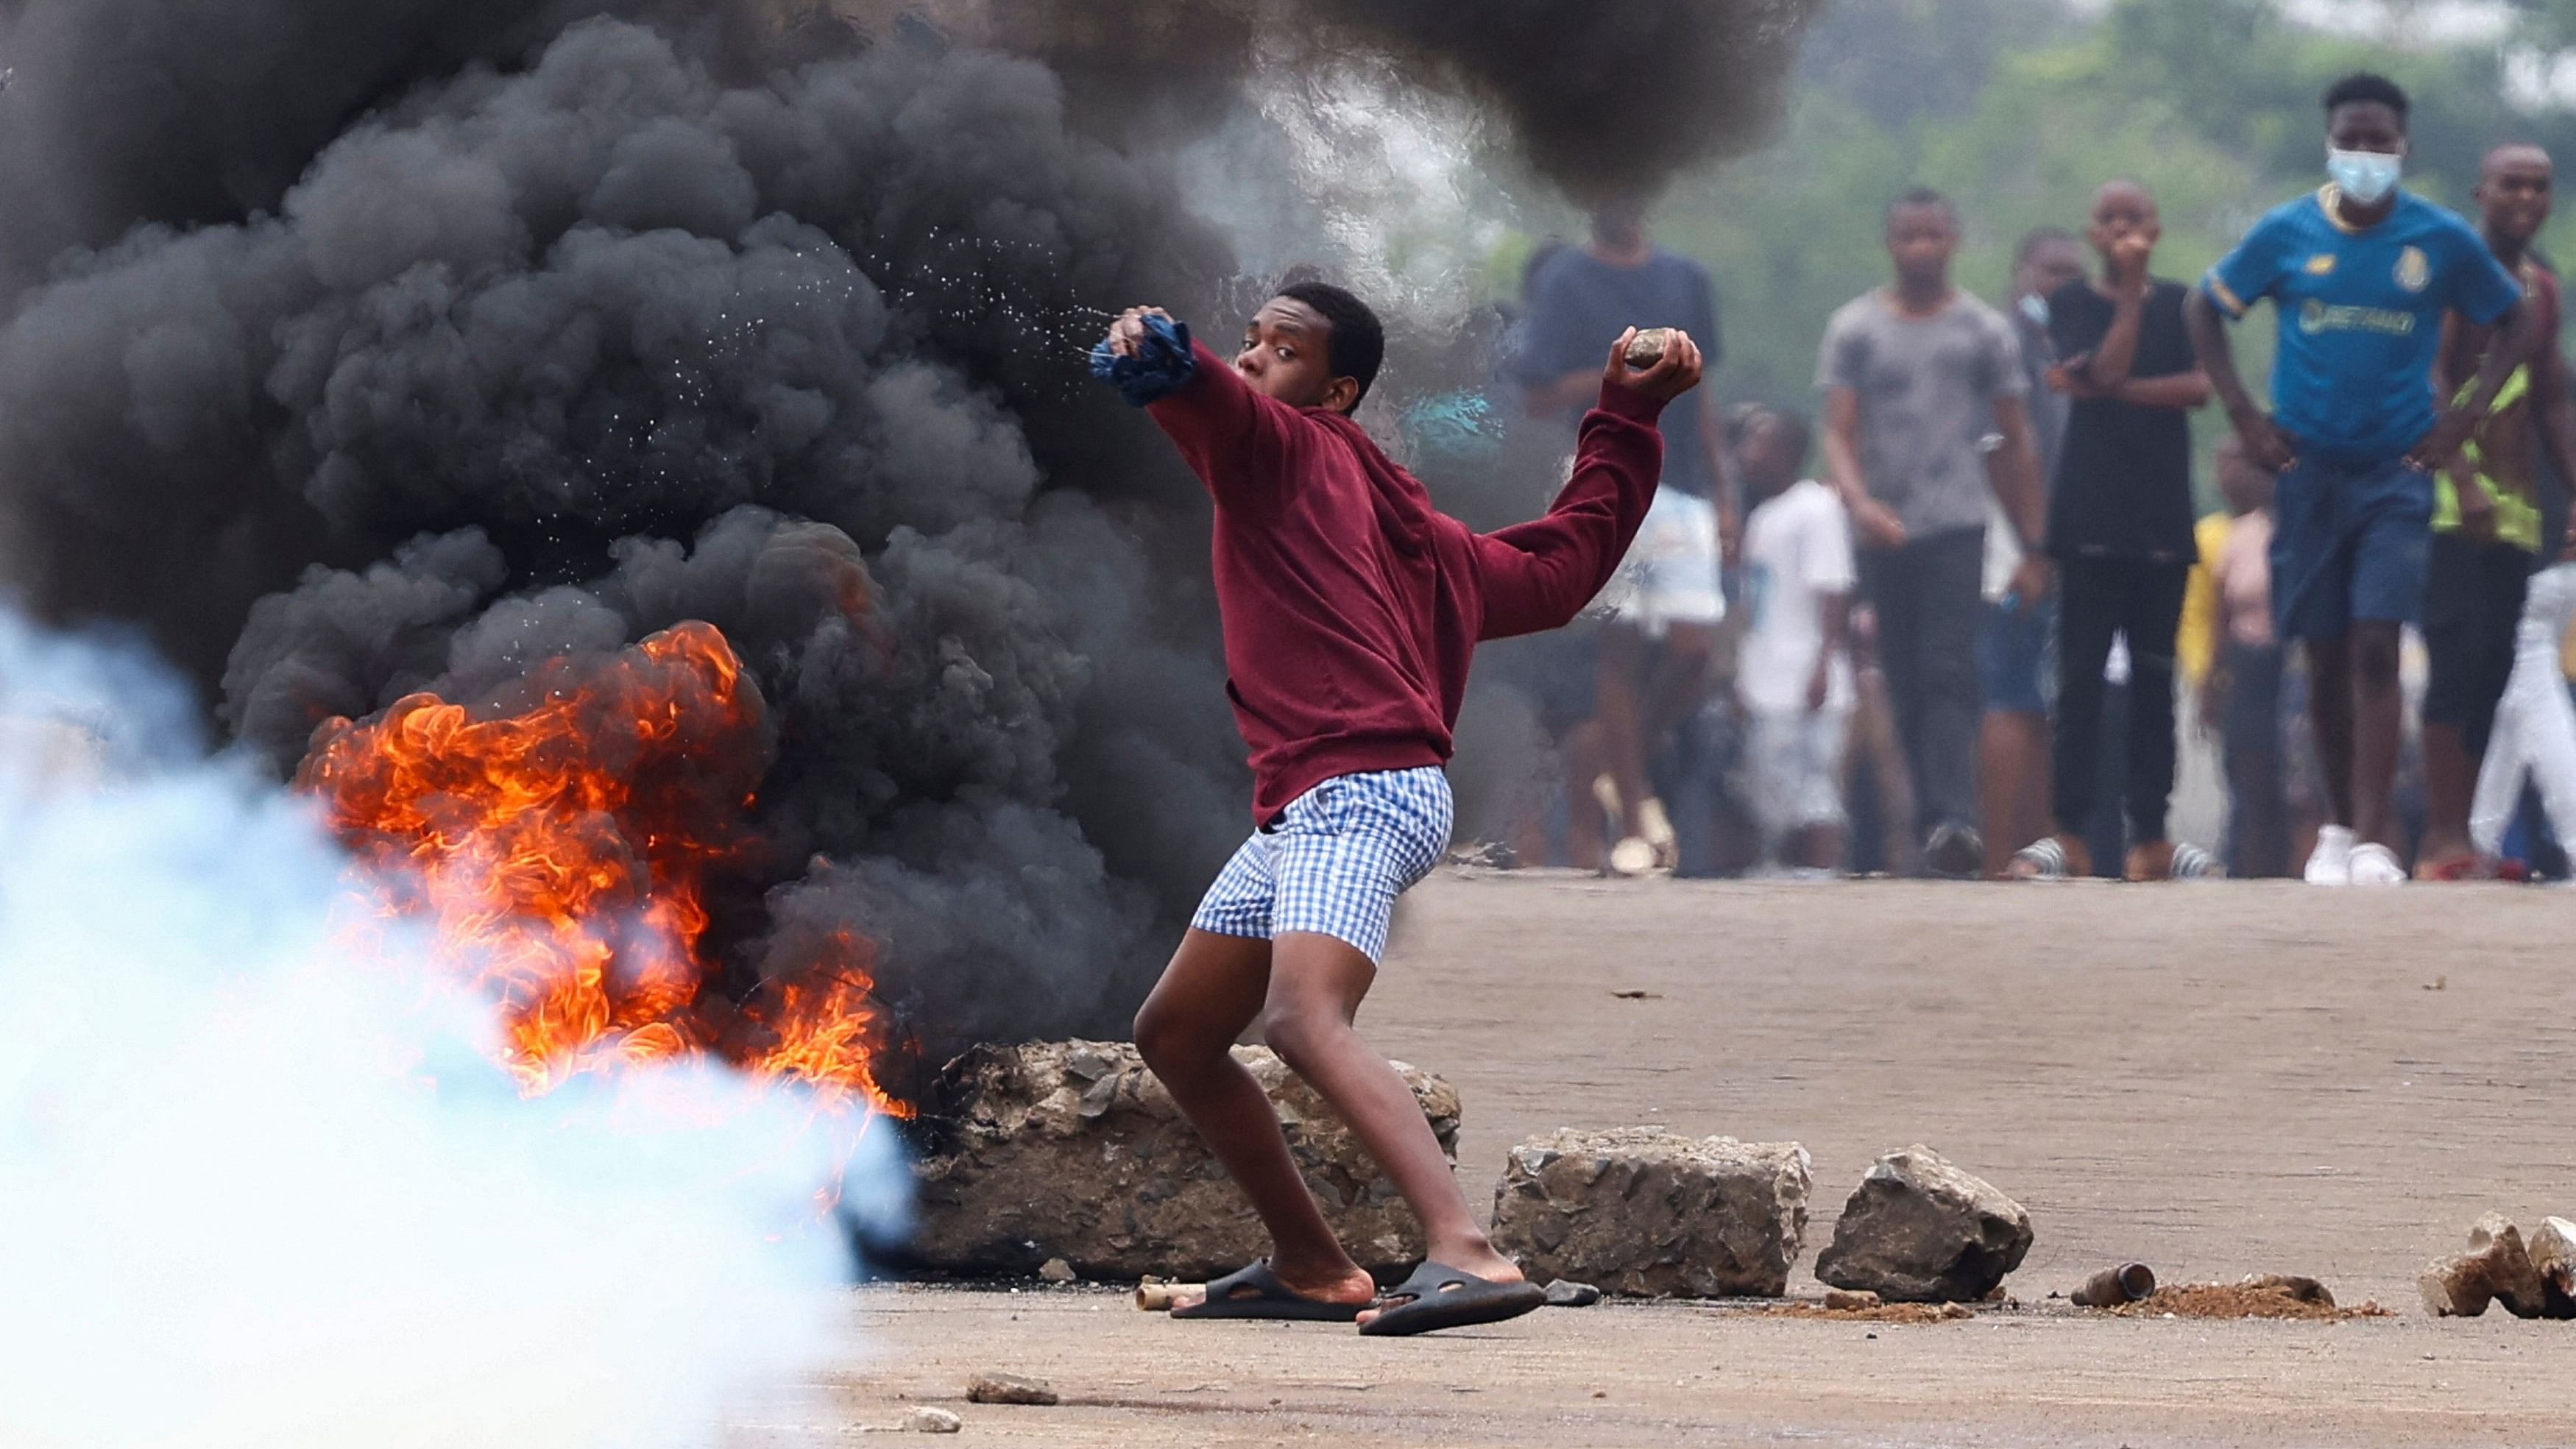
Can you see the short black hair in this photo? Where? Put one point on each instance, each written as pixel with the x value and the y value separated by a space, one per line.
pixel 2040 236
pixel 1357 346
pixel 1922 196
pixel 2365 88
pixel 1801 429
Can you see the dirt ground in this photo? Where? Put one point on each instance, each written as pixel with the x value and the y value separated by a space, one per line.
pixel 2215 1079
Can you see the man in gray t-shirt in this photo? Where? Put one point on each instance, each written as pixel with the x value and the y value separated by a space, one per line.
pixel 1927 388
pixel 1917 377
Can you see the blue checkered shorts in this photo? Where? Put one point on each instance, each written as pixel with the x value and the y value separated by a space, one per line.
pixel 1335 860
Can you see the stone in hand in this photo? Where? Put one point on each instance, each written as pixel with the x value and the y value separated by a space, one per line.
pixel 1647 347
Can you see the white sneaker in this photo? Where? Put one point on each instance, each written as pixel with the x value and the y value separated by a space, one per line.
pixel 2330 864
pixel 1632 856
pixel 2374 864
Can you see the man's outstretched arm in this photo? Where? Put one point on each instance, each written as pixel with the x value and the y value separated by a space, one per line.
pixel 1235 439
pixel 1539 575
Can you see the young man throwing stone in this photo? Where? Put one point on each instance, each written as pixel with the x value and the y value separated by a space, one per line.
pixel 1350 608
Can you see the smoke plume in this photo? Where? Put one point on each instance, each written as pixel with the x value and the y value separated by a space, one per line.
pixel 257 1198
pixel 359 347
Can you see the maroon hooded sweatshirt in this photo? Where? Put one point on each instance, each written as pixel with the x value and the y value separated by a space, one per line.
pixel 1351 606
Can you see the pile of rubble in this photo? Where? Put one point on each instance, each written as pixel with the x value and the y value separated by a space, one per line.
pixel 2261 1295
pixel 1071 1160
pixel 2532 1280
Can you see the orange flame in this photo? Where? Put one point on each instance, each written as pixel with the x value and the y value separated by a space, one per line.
pixel 561 853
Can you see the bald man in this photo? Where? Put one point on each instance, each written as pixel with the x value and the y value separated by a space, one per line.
pixel 2488 536
pixel 2119 529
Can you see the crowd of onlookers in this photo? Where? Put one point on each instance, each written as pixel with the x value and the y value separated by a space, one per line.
pixel 1963 619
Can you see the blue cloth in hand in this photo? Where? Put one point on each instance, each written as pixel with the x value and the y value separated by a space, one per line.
pixel 1161 366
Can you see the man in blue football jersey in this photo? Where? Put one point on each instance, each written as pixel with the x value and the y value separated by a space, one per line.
pixel 2360 276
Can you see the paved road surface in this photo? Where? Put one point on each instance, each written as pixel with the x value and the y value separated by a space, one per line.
pixel 2218 1079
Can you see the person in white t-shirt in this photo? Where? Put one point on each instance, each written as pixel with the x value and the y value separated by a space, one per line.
pixel 1793 671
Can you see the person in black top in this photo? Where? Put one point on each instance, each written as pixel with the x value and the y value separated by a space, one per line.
pixel 2119 527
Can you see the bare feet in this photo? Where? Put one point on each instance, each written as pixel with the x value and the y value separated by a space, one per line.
pixel 2447 858
pixel 2030 863
pixel 2150 860
pixel 1475 1256
pixel 1348 1283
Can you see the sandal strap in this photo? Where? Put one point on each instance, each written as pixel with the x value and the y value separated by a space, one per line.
pixel 1429 1279
pixel 2046 855
pixel 1255 1275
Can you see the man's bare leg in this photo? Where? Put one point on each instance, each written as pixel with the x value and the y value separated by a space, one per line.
pixel 2030 812
pixel 2378 723
pixel 1584 758
pixel 2450 778
pixel 1818 847
pixel 1621 713
pixel 2012 783
pixel 1212 990
pixel 1998 786
pixel 1316 985
pixel 2330 711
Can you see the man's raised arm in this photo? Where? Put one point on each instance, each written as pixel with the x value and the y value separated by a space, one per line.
pixel 1539 575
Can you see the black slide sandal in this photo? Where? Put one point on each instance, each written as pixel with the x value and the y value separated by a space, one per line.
pixel 1256 1292
pixel 1444 1297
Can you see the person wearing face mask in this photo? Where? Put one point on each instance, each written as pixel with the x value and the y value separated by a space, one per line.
pixel 2360 276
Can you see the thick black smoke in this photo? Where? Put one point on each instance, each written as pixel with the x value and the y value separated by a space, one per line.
pixel 1604 100
pixel 365 346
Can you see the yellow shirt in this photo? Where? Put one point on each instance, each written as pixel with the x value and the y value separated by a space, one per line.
pixel 2517 516
pixel 2200 601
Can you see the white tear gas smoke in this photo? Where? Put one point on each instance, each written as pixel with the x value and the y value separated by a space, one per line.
pixel 259 1197
pixel 400 345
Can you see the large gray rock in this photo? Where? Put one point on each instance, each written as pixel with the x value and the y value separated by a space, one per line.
pixel 1650 1213
pixel 1919 1230
pixel 1074 1150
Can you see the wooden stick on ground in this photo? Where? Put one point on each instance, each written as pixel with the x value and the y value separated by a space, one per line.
pixel 1159 1297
